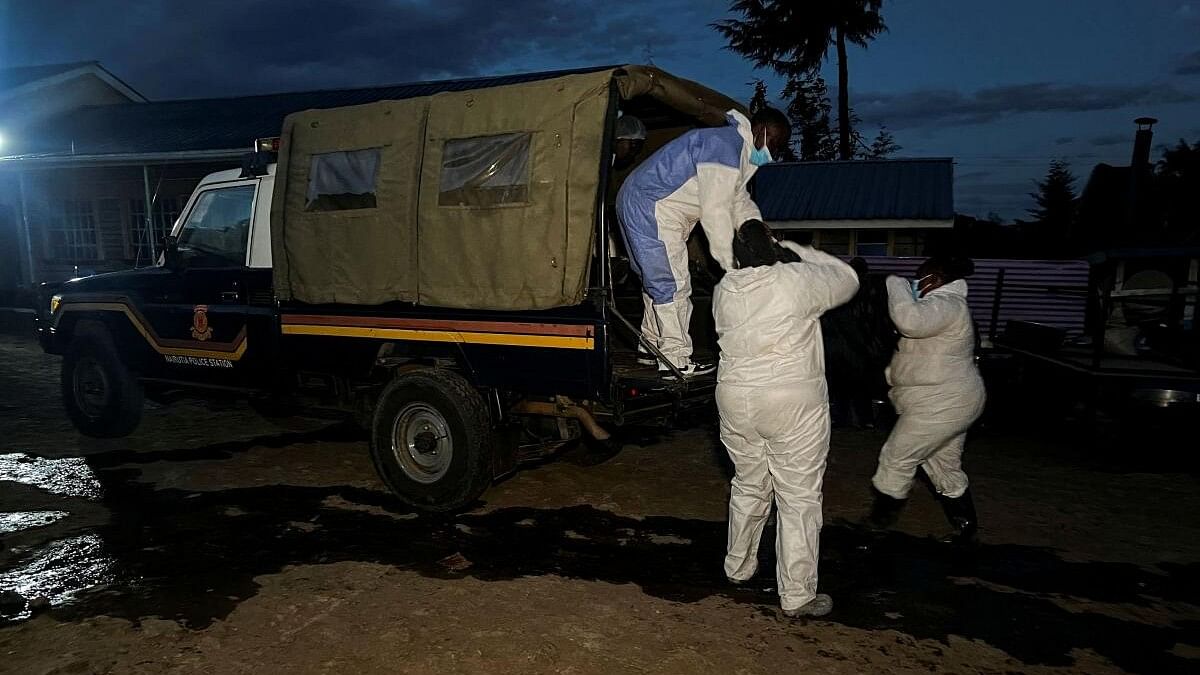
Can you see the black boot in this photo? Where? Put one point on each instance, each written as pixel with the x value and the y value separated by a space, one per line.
pixel 960 511
pixel 885 511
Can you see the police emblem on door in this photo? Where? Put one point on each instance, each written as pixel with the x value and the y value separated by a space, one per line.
pixel 200 328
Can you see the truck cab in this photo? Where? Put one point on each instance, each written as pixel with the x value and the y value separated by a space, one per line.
pixel 192 317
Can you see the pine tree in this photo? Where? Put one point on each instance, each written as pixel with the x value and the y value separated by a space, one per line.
pixel 1055 211
pixel 884 145
pixel 809 110
pixel 759 100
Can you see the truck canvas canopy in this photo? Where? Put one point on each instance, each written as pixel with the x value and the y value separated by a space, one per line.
pixel 478 199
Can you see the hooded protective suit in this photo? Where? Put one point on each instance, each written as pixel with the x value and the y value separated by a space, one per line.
pixel 699 177
pixel 936 389
pixel 774 409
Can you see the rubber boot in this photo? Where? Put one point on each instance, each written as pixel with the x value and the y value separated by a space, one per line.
pixel 885 511
pixel 819 606
pixel 960 511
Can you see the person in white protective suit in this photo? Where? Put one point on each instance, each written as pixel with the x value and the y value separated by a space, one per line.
pixel 700 177
pixel 937 392
pixel 774 404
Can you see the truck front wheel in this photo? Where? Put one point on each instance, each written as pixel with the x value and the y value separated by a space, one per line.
pixel 431 440
pixel 102 398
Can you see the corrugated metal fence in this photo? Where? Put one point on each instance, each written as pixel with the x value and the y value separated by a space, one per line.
pixel 1050 292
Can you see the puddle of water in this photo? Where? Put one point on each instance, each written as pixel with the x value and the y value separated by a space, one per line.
pixel 69 476
pixel 60 572
pixel 16 521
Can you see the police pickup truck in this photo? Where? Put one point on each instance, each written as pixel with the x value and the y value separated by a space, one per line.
pixel 436 268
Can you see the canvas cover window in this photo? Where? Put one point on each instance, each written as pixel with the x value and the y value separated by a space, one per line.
pixel 485 171
pixel 340 181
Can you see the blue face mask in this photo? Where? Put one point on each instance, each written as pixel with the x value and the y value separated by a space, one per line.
pixel 916 286
pixel 761 156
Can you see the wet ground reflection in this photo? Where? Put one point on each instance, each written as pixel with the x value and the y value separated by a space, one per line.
pixel 194 556
pixel 70 476
pixel 16 521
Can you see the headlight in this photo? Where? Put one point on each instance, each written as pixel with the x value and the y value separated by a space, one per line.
pixel 55 301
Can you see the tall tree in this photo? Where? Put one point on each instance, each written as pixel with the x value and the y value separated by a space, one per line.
pixel 1055 211
pixel 793 37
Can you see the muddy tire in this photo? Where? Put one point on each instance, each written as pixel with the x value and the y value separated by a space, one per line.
pixel 431 440
pixel 102 398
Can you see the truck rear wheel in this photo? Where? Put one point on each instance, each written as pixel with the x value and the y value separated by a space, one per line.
pixel 431 440
pixel 102 398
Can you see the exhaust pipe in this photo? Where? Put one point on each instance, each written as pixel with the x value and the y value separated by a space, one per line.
pixel 564 408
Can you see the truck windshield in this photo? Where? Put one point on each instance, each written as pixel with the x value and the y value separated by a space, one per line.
pixel 215 231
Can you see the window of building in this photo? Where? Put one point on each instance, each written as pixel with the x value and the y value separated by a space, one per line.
pixel 485 171
pixel 73 231
pixel 908 244
pixel 143 241
pixel 802 237
pixel 215 232
pixel 871 242
pixel 340 181
pixel 834 242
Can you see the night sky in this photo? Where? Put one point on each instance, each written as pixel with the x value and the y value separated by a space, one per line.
pixel 1003 87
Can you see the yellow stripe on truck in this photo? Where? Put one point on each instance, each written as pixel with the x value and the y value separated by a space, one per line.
pixel 549 341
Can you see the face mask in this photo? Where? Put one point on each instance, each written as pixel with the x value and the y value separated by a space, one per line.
pixel 916 286
pixel 761 156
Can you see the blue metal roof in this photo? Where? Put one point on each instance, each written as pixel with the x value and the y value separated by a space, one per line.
pixel 220 123
pixel 881 189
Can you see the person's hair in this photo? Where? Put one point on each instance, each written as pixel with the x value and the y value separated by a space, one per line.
pixel 753 245
pixel 775 120
pixel 948 267
pixel 861 268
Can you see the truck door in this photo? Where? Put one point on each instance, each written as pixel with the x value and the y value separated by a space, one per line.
pixel 199 315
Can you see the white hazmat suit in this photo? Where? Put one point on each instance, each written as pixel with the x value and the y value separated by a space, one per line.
pixel 936 389
pixel 699 177
pixel 774 409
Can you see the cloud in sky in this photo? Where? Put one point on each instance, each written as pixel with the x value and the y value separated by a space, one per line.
pixel 1111 139
pixel 221 47
pixel 949 107
pixel 1189 64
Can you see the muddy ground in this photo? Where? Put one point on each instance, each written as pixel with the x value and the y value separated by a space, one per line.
pixel 214 542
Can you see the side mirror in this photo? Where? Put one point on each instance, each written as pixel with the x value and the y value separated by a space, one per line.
pixel 170 247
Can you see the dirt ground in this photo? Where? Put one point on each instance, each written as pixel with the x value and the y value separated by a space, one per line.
pixel 213 542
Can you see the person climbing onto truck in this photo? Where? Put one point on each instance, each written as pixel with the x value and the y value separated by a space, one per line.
pixel 700 177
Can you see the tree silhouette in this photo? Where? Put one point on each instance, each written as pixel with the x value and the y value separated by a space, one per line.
pixel 809 110
pixel 759 100
pixel 793 37
pixel 884 145
pixel 1178 178
pixel 1055 211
